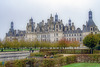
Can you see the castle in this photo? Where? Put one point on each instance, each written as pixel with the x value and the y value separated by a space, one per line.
pixel 53 30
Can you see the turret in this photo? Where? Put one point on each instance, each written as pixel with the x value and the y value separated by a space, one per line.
pixel 31 21
pixel 56 17
pixel 69 22
pixel 90 14
pixel 12 26
pixel 51 18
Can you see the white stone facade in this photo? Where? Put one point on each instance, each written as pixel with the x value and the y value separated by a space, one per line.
pixel 53 30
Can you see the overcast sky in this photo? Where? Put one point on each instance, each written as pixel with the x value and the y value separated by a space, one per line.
pixel 20 11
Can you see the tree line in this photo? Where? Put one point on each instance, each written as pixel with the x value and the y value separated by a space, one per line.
pixel 15 44
pixel 90 41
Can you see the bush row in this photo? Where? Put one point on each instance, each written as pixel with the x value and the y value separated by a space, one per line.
pixel 96 51
pixel 54 62
pixel 67 51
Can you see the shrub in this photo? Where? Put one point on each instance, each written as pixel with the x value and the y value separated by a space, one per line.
pixel 97 47
pixel 57 55
pixel 40 54
pixel 60 61
pixel 96 52
pixel 48 63
pixel 66 51
pixel 51 52
pixel 20 63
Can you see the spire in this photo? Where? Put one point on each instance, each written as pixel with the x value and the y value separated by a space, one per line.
pixel 12 25
pixel 31 21
pixel 51 18
pixel 51 15
pixel 90 14
pixel 69 21
pixel 56 17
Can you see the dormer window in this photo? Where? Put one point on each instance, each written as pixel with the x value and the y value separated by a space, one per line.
pixel 91 29
pixel 56 26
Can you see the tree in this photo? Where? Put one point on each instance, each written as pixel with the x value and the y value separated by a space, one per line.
pixel 1 46
pixel 98 35
pixel 90 41
pixel 74 44
pixel 98 45
pixel 7 44
pixel 16 44
pixel 63 43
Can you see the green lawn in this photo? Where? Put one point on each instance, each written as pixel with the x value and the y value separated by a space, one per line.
pixel 83 65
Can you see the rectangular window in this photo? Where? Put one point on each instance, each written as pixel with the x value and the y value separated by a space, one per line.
pixel 56 26
pixel 80 34
pixel 56 34
pixel 56 29
pixel 56 39
pixel 80 39
pixel 69 34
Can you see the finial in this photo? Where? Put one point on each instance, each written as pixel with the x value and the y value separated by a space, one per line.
pixel 51 15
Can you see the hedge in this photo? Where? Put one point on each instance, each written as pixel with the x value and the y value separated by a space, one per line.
pixel 55 62
pixel 66 51
pixel 96 51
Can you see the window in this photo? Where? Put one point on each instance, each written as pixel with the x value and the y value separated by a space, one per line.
pixel 56 26
pixel 56 34
pixel 56 39
pixel 91 29
pixel 69 39
pixel 69 34
pixel 80 34
pixel 95 28
pixel 77 34
pixel 56 29
pixel 74 34
pixel 80 39
pixel 49 28
pixel 72 39
pixel 75 39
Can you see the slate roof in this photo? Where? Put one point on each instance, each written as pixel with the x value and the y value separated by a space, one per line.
pixel 73 31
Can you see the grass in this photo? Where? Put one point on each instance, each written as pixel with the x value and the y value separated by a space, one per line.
pixel 83 65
